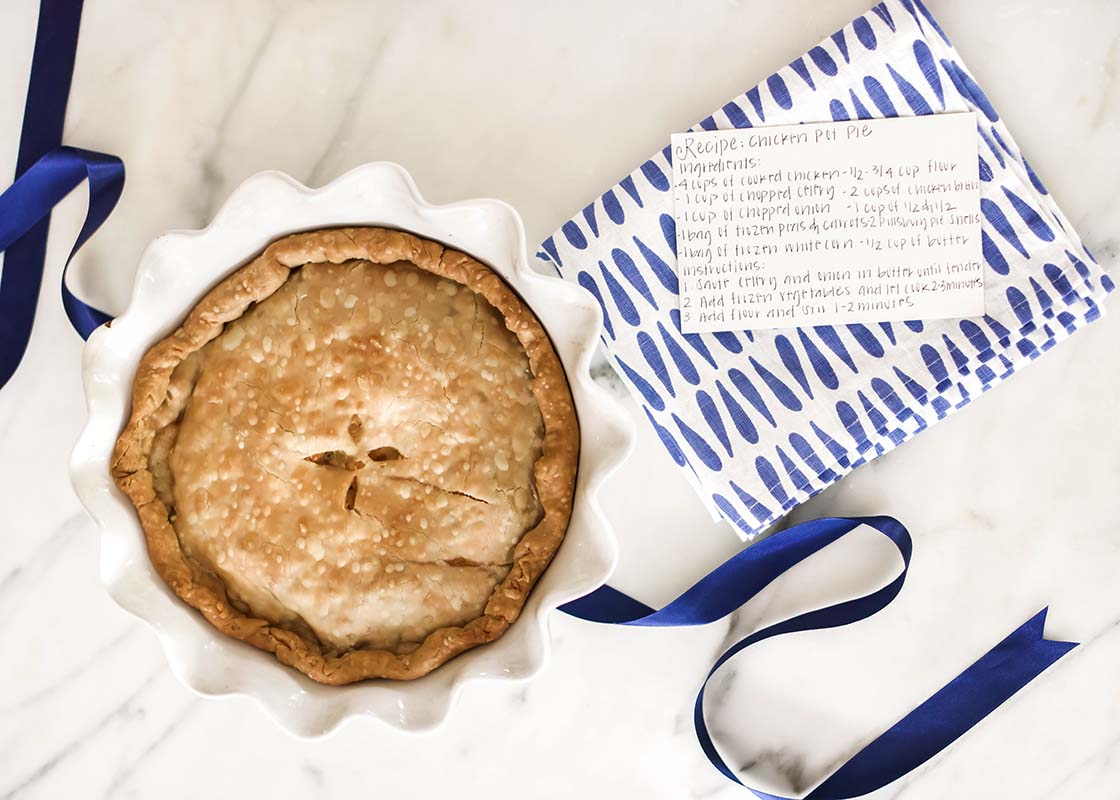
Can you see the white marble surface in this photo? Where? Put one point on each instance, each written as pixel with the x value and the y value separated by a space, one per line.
pixel 520 102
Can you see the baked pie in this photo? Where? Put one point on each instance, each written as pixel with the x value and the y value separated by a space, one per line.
pixel 357 452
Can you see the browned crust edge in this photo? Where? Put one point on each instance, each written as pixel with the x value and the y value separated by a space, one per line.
pixel 554 471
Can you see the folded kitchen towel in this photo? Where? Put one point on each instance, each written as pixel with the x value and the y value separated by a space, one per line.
pixel 761 420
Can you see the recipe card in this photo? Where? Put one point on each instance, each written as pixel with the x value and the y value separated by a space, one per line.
pixel 829 223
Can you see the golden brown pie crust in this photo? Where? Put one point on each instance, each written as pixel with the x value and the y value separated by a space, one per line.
pixel 553 472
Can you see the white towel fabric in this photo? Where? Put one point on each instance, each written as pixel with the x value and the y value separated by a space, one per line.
pixel 761 420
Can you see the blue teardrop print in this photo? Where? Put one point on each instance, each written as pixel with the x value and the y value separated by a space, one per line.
pixel 985 170
pixel 730 513
pixel 850 420
pixel 839 453
pixel 960 360
pixel 736 116
pixel 792 363
pixel 1020 305
pixel 628 186
pixel 574 235
pixel 992 255
pixel 1059 281
pixel 879 97
pixel 739 417
pixel 785 395
pixel 770 480
pixel 995 216
pixel 823 60
pixel 729 341
pixel 703 450
pixel 1044 300
pixel 694 340
pixel 664 274
pixel 936 367
pixel 1082 270
pixel 879 422
pixel 801 483
pixel 977 339
pixel 831 339
pixel 756 101
pixel 807 454
pixel 819 361
pixel 589 215
pixel 890 398
pixel 916 390
pixel 929 69
pixel 655 176
pixel 642 385
pixel 621 300
pixel 778 90
pixel 866 339
pixel 753 396
pixel 629 270
pixel 992 147
pixel 796 476
pixel 1003 335
pixel 889 331
pixel 1031 217
pixel 667 439
pixel 1034 178
pixel 864 32
pixel 912 96
pixel 798 65
pixel 841 44
pixel 613 208
pixel 715 421
pixel 761 512
pixel 838 112
pixel 680 358
pixel 860 108
pixel 669 231
pixel 653 357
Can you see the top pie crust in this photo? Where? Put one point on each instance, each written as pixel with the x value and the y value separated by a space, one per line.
pixel 358 452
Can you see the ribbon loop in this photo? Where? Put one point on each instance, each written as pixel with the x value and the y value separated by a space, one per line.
pixel 918 736
pixel 45 173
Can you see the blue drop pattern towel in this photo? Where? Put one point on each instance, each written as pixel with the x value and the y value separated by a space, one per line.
pixel 759 421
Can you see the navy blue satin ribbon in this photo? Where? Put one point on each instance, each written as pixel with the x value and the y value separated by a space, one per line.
pixel 45 173
pixel 916 738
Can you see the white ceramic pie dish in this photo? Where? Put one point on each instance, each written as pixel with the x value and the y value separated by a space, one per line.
pixel 175 271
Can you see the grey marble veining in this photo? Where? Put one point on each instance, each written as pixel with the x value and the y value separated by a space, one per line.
pixel 520 101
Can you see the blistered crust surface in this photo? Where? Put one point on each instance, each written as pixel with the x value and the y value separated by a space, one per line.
pixel 357 452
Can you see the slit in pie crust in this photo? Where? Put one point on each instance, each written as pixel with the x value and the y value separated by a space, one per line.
pixel 357 452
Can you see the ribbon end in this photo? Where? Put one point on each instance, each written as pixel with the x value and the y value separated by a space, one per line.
pixel 1036 626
